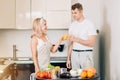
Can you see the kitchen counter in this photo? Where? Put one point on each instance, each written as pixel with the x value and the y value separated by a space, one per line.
pixel 24 62
pixel 52 60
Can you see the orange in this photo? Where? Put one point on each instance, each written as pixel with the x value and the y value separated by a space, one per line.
pixel 57 68
pixel 90 74
pixel 65 36
pixel 92 69
pixel 83 74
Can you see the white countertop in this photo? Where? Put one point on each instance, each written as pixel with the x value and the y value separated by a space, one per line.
pixel 24 62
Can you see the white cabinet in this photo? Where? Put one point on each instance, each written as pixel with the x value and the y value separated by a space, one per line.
pixel 58 5
pixel 38 9
pixel 19 14
pixel 7 14
pixel 23 14
pixel 58 14
pixel 27 11
pixel 58 19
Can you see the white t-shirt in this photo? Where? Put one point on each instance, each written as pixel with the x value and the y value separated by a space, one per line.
pixel 82 30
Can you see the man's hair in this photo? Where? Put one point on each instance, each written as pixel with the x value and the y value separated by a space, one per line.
pixel 78 6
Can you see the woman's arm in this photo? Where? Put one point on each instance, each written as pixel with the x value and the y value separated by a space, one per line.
pixel 55 47
pixel 34 53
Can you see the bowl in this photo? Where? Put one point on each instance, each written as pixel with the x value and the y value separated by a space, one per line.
pixel 73 73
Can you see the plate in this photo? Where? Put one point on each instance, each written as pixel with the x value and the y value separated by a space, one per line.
pixel 75 76
pixel 95 77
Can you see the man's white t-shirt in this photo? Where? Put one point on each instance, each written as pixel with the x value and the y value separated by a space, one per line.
pixel 82 30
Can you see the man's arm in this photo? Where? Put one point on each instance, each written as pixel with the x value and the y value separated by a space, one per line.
pixel 69 54
pixel 90 42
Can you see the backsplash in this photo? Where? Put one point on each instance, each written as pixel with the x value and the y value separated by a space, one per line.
pixel 21 38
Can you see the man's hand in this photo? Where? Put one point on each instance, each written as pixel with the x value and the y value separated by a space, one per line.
pixel 68 64
pixel 72 38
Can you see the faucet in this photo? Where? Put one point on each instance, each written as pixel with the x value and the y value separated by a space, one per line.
pixel 14 52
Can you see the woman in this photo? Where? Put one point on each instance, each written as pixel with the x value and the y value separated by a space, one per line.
pixel 40 45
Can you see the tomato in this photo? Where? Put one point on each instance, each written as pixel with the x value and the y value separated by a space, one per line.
pixel 39 75
pixel 49 76
pixel 45 74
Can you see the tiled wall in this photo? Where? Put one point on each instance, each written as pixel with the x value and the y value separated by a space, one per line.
pixel 21 38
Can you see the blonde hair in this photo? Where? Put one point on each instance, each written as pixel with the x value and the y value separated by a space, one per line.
pixel 37 25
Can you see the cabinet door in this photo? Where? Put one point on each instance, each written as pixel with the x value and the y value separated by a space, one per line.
pixel 58 19
pixel 58 5
pixel 23 14
pixel 7 14
pixel 58 14
pixel 38 9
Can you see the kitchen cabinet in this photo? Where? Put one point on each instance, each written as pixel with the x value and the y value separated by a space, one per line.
pixel 58 19
pixel 29 10
pixel 7 14
pixel 23 14
pixel 38 9
pixel 58 5
pixel 23 71
pixel 19 14
pixel 58 14
pixel 15 14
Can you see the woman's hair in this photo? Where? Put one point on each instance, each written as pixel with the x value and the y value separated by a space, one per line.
pixel 78 6
pixel 37 25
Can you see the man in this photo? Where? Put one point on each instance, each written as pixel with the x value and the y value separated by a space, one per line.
pixel 81 40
